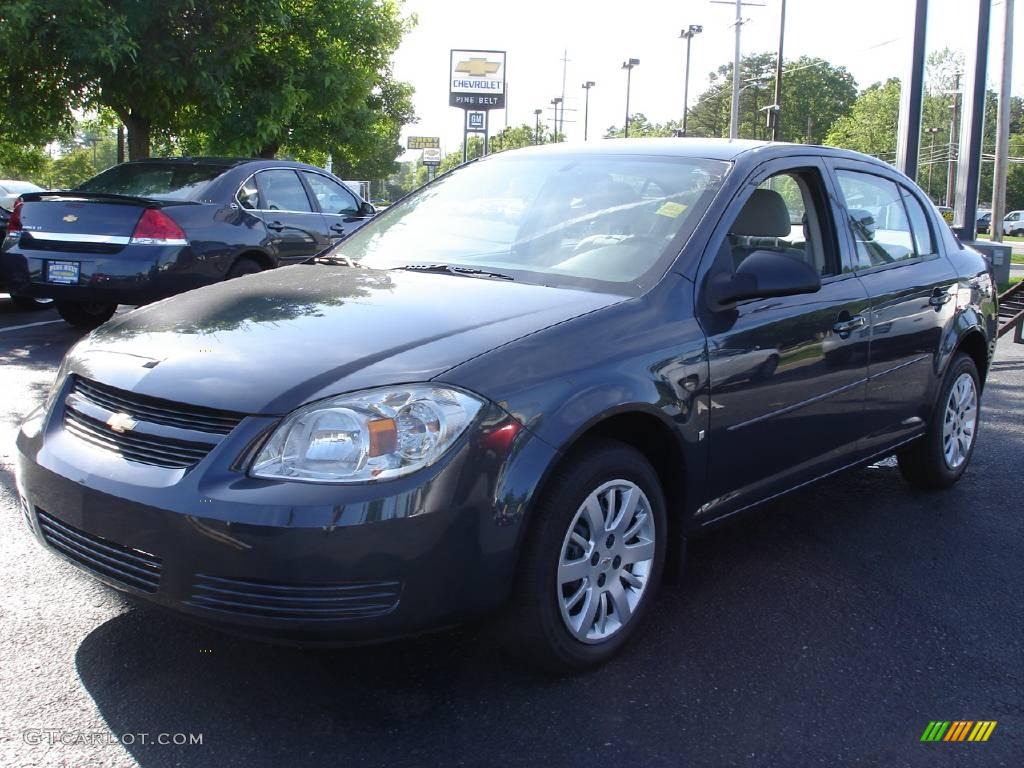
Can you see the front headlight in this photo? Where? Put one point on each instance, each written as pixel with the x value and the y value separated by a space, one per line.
pixel 377 434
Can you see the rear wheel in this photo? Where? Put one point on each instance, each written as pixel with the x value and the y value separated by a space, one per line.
pixel 593 561
pixel 244 266
pixel 938 459
pixel 85 315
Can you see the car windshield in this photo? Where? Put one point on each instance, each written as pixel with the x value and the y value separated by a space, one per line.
pixel 163 181
pixel 596 221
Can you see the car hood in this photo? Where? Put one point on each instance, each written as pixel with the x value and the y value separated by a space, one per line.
pixel 267 343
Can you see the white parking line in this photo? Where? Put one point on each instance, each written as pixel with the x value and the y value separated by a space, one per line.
pixel 29 325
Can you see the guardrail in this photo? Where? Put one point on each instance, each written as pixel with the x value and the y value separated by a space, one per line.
pixel 1011 313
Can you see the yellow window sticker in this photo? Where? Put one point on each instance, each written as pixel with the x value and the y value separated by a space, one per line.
pixel 671 209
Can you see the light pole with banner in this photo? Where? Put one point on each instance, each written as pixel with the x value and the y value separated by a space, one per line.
pixel 476 85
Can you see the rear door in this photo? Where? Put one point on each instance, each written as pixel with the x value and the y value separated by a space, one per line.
pixel 295 229
pixel 787 374
pixel 342 211
pixel 894 247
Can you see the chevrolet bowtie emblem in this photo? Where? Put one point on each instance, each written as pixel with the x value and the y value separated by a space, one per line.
pixel 70 218
pixel 121 422
pixel 477 67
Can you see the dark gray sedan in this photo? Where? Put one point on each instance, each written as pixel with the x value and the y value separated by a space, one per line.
pixel 520 389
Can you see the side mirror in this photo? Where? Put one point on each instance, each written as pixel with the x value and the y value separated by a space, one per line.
pixel 763 275
pixel 367 209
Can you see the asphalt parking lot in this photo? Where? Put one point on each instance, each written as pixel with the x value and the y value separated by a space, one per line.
pixel 829 629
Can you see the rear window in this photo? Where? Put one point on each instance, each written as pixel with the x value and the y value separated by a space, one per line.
pixel 163 181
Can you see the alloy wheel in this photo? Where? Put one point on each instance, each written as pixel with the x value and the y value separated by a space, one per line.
pixel 606 561
pixel 961 418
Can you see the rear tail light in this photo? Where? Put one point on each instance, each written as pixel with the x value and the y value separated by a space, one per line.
pixel 14 225
pixel 157 228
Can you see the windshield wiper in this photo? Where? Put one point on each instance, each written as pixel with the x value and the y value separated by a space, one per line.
pixel 452 269
pixel 344 261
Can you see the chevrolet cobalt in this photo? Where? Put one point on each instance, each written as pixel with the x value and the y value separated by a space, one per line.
pixel 520 390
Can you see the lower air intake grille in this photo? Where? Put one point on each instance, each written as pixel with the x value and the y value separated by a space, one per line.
pixel 293 602
pixel 131 567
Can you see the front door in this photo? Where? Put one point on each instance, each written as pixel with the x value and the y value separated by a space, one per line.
pixel 342 212
pixel 787 374
pixel 913 296
pixel 295 231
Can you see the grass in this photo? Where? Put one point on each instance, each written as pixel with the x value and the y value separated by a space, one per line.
pixel 1017 258
pixel 1003 287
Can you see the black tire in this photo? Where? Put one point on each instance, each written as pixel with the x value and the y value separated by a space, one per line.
pixel 30 303
pixel 533 624
pixel 85 315
pixel 924 464
pixel 243 266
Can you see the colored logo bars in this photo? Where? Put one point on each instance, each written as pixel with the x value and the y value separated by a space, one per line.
pixel 958 730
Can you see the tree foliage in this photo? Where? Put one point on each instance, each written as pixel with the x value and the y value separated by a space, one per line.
pixel 226 78
pixel 814 94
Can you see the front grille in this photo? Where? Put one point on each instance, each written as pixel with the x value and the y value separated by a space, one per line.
pixel 157 411
pixel 295 602
pixel 145 449
pixel 131 567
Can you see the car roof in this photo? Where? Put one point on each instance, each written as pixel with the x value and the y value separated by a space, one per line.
pixel 728 150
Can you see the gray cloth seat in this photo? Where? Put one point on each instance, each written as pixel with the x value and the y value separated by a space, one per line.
pixel 761 223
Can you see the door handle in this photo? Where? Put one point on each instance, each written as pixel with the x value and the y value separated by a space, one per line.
pixel 277 226
pixel 939 298
pixel 338 227
pixel 845 327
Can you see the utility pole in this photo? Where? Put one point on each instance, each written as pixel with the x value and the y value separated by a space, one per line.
pixel 734 112
pixel 776 111
pixel 954 122
pixel 931 157
pixel 536 125
pixel 908 134
pixel 1002 128
pixel 688 35
pixel 565 62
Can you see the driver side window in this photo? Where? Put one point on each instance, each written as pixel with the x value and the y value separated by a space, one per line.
pixel 784 214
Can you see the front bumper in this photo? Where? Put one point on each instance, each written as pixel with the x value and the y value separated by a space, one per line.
pixel 290 562
pixel 137 274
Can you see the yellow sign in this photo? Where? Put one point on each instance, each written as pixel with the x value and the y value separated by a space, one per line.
pixel 671 209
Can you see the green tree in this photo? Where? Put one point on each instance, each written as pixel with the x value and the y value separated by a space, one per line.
pixel 640 126
pixel 240 78
pixel 513 137
pixel 814 94
pixel 871 125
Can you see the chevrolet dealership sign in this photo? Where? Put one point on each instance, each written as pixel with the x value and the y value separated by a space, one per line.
pixel 477 80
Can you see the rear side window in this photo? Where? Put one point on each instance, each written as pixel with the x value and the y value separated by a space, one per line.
pixel 281 190
pixel 877 219
pixel 162 181
pixel 923 242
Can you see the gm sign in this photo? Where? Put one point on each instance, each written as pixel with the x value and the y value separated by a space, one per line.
pixel 477 80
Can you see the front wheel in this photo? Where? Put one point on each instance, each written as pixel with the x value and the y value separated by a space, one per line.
pixel 30 303
pixel 85 315
pixel 938 459
pixel 593 560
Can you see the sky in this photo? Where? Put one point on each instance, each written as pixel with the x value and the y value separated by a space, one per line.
pixel 871 38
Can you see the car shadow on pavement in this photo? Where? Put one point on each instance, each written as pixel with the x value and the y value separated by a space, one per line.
pixel 773 614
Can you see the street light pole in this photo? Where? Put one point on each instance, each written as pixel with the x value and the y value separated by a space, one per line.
pixel 628 65
pixel 536 125
pixel 586 105
pixel 556 101
pixel 688 34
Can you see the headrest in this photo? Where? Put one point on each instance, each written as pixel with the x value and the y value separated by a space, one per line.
pixel 764 215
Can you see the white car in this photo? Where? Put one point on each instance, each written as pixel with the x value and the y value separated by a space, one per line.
pixel 1013 223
